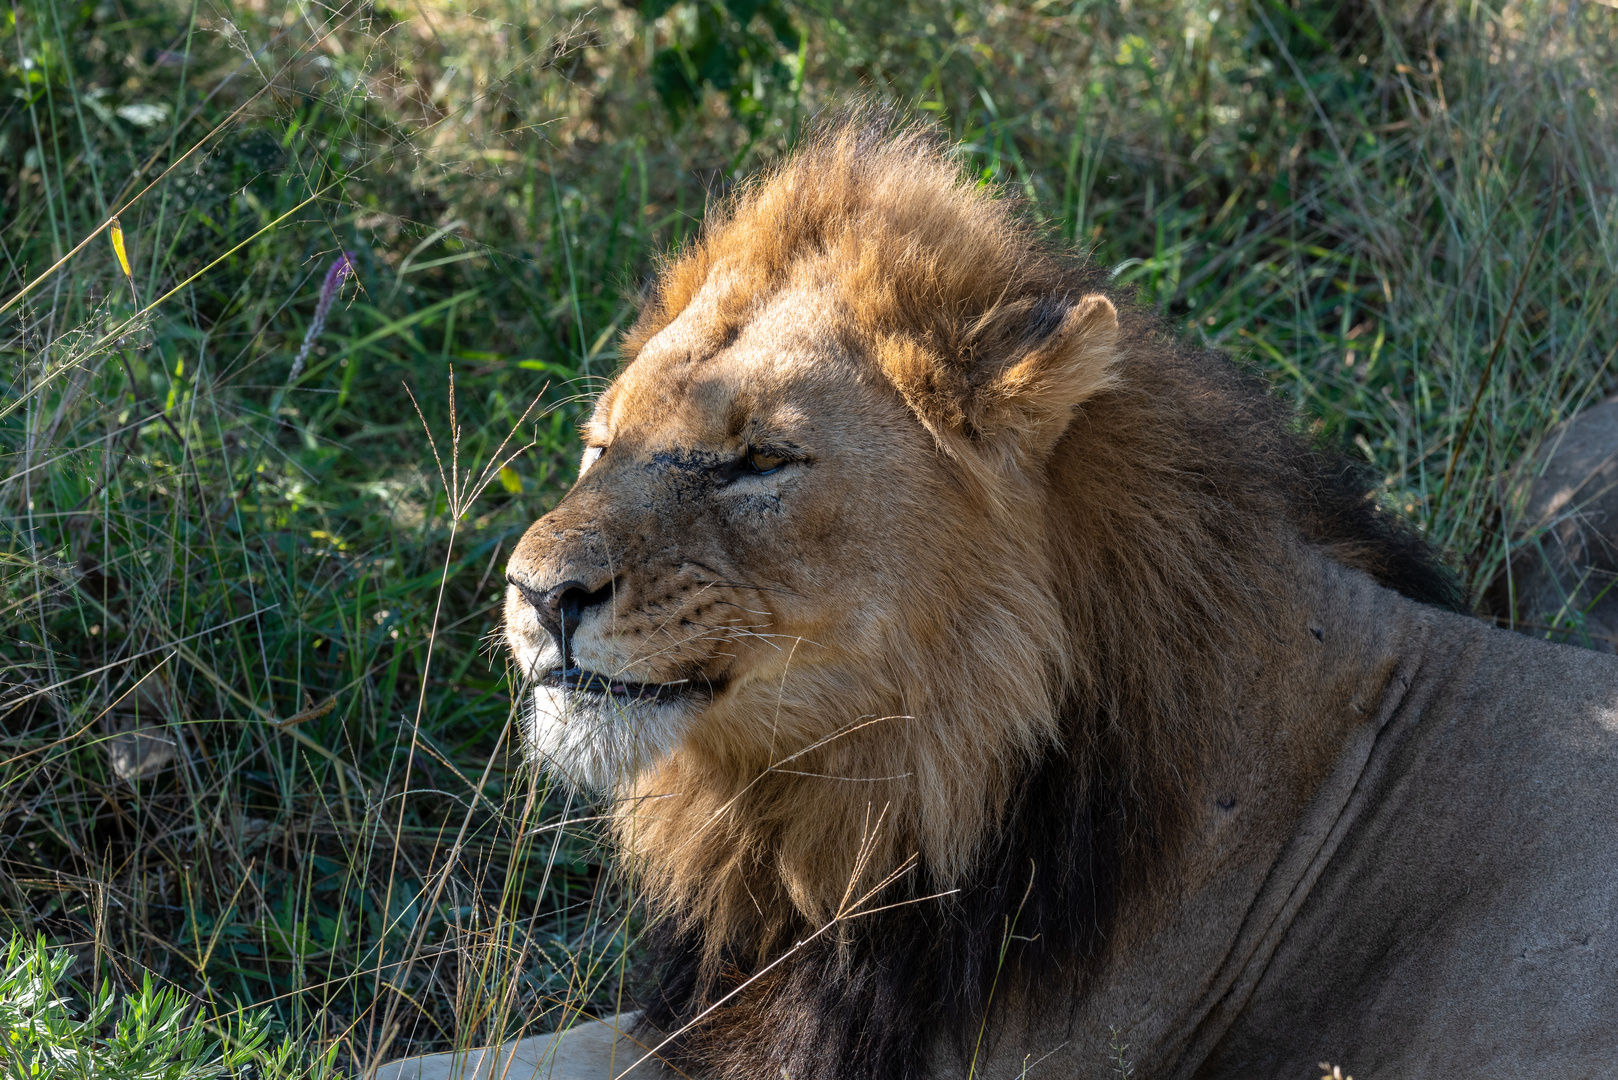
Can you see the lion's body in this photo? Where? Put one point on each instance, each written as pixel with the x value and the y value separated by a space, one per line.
pixel 983 677
pixel 1445 899
pixel 1459 911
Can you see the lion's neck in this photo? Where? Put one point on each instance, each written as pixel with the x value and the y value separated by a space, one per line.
pixel 1070 883
pixel 1194 935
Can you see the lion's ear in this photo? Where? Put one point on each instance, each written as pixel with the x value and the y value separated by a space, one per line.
pixel 1033 397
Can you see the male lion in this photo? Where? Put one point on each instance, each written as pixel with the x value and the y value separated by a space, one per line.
pixel 985 682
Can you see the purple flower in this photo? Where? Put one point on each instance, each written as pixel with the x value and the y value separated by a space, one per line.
pixel 341 268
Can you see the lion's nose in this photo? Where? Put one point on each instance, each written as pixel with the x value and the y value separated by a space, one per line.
pixel 561 608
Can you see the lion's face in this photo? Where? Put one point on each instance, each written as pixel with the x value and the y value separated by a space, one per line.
pixel 751 520
pixel 815 502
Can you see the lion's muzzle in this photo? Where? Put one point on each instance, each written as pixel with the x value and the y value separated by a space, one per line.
pixel 612 665
pixel 561 608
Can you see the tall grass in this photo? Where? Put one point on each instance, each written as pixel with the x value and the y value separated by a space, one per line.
pixel 256 732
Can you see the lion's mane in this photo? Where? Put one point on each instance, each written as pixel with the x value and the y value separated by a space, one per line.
pixel 1177 499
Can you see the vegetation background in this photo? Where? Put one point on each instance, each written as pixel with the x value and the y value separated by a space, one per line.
pixel 256 491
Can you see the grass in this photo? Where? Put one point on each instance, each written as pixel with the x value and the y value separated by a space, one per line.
pixel 255 728
pixel 151 1032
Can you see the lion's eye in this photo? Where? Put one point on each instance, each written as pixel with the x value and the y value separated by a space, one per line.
pixel 763 462
pixel 589 458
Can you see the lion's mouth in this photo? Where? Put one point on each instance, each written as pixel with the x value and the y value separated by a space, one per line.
pixel 580 681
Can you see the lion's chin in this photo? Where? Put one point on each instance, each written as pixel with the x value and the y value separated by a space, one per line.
pixel 598 740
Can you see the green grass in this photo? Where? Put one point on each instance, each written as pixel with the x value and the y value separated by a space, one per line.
pixel 151 1033
pixel 255 728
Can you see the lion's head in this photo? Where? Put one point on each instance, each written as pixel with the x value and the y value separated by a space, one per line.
pixel 765 546
pixel 809 509
pixel 893 526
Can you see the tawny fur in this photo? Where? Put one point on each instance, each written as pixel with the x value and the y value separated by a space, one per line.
pixel 1105 522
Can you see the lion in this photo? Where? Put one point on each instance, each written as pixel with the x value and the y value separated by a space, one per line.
pixel 984 681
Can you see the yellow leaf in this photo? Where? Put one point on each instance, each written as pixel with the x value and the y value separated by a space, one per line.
pixel 118 247
pixel 510 480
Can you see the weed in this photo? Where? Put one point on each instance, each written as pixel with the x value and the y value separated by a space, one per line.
pixel 1116 1061
pixel 149 1033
